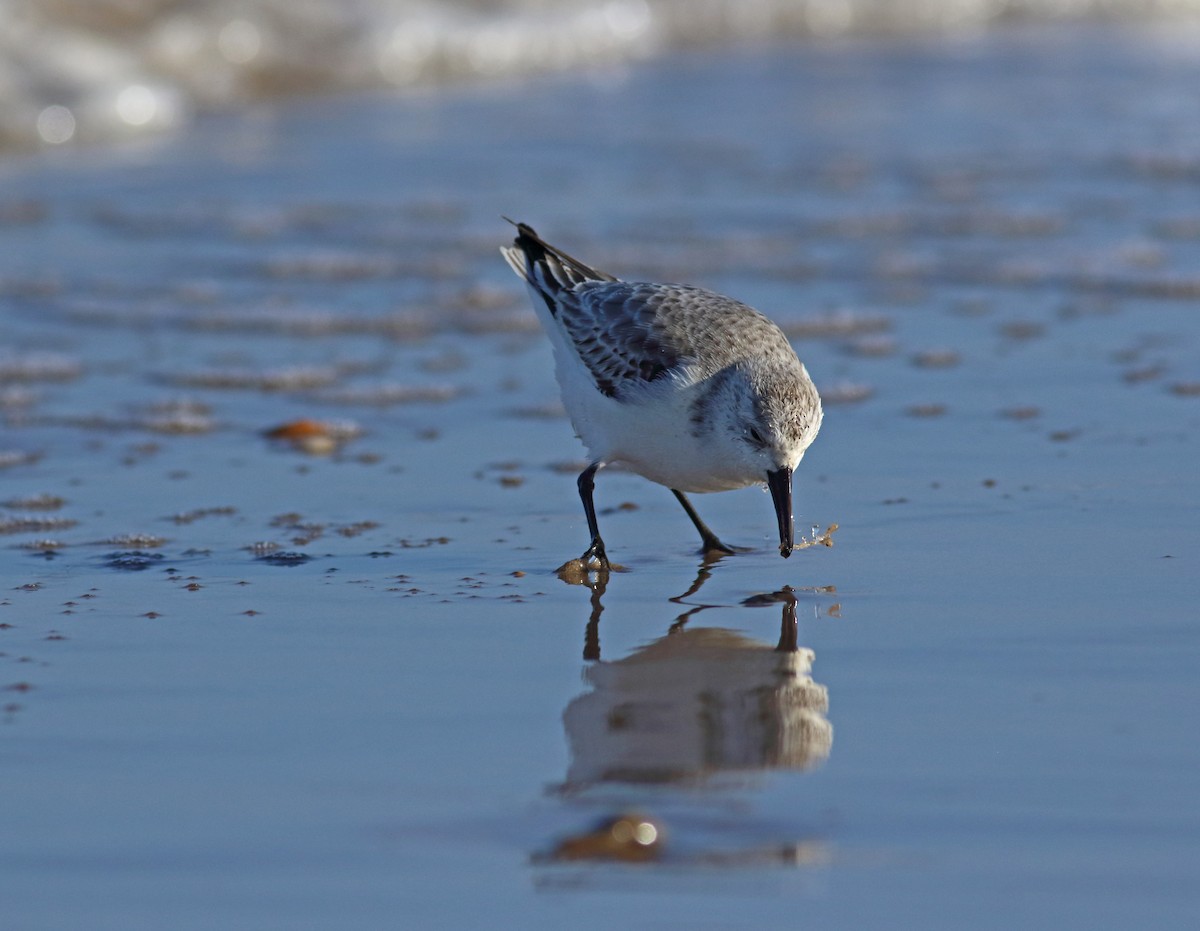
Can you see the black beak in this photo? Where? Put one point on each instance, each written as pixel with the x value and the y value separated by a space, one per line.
pixel 780 483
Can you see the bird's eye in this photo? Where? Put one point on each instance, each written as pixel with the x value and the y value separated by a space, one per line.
pixel 755 437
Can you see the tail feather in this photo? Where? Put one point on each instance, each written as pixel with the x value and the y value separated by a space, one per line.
pixel 547 269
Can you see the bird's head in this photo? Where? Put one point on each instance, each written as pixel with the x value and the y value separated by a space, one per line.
pixel 768 419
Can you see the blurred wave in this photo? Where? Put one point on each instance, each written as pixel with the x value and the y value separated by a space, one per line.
pixel 76 71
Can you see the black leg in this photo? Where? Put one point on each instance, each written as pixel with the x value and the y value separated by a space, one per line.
pixel 596 550
pixel 708 539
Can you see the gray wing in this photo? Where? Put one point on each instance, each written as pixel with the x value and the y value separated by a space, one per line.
pixel 630 334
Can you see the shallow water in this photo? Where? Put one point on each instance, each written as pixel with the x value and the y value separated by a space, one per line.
pixel 986 250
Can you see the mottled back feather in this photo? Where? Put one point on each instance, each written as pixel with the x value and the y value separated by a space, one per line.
pixel 630 334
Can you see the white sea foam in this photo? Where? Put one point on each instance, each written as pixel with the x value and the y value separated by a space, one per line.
pixel 85 70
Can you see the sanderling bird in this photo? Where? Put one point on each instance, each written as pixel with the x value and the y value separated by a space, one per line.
pixel 685 387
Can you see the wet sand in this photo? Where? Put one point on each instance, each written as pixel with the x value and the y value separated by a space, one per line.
pixel 331 677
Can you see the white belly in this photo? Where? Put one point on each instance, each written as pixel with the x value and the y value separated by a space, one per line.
pixel 652 437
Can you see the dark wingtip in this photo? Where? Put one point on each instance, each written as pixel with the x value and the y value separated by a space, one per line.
pixel 536 249
pixel 528 241
pixel 523 229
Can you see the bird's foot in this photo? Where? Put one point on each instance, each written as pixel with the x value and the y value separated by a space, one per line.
pixel 714 548
pixel 594 556
pixel 594 560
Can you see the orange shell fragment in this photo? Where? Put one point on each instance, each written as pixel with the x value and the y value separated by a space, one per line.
pixel 298 430
pixel 315 437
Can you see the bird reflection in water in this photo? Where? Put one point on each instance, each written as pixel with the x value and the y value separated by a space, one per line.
pixel 696 704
